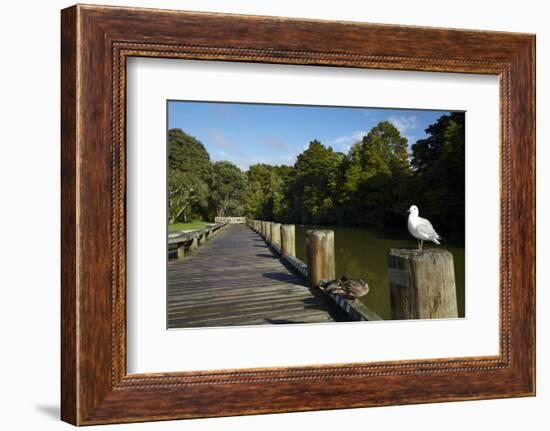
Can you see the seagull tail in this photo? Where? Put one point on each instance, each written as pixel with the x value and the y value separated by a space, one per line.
pixel 438 239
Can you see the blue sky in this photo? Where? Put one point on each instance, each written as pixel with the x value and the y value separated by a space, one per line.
pixel 246 134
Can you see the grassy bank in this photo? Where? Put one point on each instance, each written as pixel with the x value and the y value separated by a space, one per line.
pixel 197 224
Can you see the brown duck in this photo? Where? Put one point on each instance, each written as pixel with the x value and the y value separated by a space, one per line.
pixel 352 289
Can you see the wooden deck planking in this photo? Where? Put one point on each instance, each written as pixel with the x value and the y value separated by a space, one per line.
pixel 234 279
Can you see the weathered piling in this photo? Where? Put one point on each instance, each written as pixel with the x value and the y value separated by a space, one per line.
pixel 422 284
pixel 288 247
pixel 181 250
pixel 268 233
pixel 194 244
pixel 276 234
pixel 321 261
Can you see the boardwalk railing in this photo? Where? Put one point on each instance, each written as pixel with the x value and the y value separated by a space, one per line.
pixel 181 242
pixel 231 220
pixel 321 257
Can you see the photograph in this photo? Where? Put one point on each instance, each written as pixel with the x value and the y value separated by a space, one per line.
pixel 300 214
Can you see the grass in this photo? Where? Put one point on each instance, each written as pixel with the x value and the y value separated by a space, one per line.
pixel 196 224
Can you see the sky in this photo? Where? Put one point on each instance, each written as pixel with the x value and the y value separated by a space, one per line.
pixel 246 134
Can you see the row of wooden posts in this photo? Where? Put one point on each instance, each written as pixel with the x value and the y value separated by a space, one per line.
pixel 422 284
pixel 321 263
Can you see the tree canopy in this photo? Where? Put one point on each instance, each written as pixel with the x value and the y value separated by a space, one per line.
pixel 373 184
pixel 189 168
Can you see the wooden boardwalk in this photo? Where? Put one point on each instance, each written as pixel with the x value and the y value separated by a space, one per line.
pixel 235 279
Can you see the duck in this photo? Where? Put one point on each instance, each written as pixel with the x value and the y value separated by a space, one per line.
pixel 352 289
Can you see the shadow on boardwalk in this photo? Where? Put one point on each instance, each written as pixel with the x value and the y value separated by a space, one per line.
pixel 236 280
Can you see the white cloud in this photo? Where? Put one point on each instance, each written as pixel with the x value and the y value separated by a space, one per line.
pixel 222 142
pixel 344 143
pixel 276 144
pixel 404 123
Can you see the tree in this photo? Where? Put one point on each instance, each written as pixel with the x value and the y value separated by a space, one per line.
pixel 187 154
pixel 383 149
pixel 373 175
pixel 265 195
pixel 439 176
pixel 227 190
pixel 314 184
pixel 183 191
pixel 188 169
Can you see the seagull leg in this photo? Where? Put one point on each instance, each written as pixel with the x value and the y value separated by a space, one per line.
pixel 418 244
pixel 421 244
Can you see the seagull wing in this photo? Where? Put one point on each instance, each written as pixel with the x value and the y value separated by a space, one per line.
pixel 425 227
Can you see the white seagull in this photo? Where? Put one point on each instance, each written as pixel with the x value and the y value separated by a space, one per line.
pixel 421 228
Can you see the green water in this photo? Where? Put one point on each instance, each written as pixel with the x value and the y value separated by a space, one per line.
pixel 363 253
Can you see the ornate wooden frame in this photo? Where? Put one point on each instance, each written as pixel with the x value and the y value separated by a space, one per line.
pixel 96 41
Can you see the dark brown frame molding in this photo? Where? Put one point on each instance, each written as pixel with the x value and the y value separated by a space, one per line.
pixel 95 43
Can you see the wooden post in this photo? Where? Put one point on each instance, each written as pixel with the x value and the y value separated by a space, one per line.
pixel 194 244
pixel 321 263
pixel 181 250
pixel 422 284
pixel 288 246
pixel 276 234
pixel 268 232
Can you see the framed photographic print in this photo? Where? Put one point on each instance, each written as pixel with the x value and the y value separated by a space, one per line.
pixel 264 214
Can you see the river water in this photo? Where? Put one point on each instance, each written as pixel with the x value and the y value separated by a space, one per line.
pixel 363 253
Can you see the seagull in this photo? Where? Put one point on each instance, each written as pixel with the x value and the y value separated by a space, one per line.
pixel 421 228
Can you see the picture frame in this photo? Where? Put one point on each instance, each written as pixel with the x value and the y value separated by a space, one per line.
pixel 96 41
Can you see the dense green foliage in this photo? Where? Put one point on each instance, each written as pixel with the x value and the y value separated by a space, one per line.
pixel 373 184
pixel 189 168
pixel 227 190
pixel 198 188
pixel 439 167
